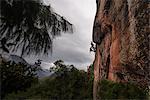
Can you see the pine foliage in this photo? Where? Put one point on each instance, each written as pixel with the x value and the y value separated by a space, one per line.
pixel 31 25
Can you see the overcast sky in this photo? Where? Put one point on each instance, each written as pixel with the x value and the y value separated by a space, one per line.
pixel 74 48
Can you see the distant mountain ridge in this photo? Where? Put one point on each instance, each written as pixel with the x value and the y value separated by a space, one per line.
pixel 17 59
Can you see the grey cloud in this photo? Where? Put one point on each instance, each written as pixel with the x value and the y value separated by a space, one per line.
pixel 74 48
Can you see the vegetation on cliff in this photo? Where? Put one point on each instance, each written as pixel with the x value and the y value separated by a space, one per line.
pixel 113 90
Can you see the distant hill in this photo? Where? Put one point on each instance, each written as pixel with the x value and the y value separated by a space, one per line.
pixel 17 59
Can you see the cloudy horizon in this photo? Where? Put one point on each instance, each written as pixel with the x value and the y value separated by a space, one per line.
pixel 73 48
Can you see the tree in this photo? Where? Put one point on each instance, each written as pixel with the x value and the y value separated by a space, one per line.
pixel 66 83
pixel 112 90
pixel 60 69
pixel 93 47
pixel 16 77
pixel 30 25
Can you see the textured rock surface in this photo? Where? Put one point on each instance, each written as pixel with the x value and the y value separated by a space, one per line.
pixel 121 33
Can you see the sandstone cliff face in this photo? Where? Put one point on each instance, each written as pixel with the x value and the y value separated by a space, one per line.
pixel 121 34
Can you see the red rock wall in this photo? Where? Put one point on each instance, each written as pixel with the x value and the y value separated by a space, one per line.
pixel 121 33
